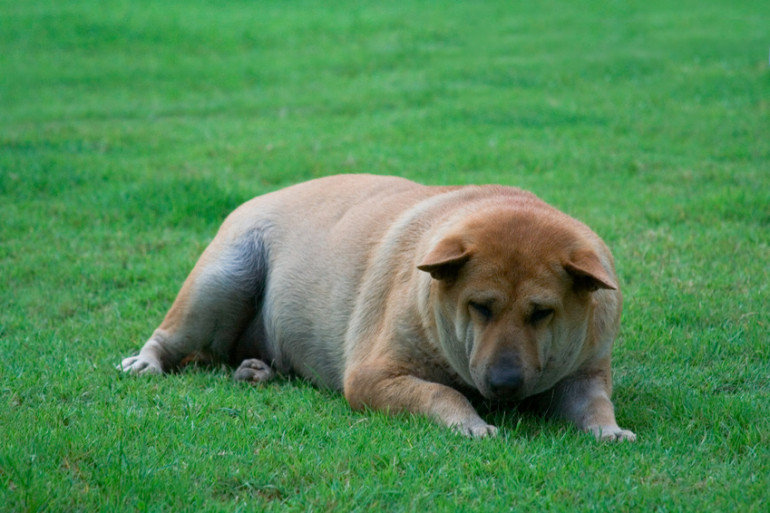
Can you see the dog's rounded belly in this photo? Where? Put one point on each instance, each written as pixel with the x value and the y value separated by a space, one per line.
pixel 317 259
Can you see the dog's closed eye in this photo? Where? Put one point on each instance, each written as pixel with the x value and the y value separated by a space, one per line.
pixel 540 314
pixel 481 309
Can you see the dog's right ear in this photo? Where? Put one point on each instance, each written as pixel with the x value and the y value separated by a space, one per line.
pixel 444 261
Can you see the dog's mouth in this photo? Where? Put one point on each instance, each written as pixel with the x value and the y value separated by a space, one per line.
pixel 512 397
pixel 503 394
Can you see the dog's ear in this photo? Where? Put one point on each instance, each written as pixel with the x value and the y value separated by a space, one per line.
pixel 588 273
pixel 444 261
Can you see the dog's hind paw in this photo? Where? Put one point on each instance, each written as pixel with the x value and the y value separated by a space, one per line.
pixel 253 371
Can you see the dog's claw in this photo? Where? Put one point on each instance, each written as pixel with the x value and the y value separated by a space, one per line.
pixel 477 430
pixel 139 365
pixel 613 434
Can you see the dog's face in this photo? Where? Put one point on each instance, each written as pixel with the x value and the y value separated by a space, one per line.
pixel 514 294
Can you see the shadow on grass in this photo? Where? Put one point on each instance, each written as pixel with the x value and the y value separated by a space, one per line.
pixel 526 420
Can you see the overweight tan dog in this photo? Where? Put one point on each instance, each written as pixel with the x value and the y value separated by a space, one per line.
pixel 407 298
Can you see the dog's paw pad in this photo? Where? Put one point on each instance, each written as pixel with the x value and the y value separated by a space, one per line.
pixel 253 371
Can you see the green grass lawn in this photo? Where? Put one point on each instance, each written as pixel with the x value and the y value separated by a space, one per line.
pixel 129 129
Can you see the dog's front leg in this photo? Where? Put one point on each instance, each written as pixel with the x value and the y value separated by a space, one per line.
pixel 585 400
pixel 382 390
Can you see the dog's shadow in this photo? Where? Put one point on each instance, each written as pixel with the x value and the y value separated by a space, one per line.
pixel 527 419
pixel 530 418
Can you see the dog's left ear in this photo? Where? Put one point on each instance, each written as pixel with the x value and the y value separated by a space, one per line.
pixel 444 261
pixel 588 272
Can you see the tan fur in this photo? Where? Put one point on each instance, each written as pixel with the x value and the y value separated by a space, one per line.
pixel 406 297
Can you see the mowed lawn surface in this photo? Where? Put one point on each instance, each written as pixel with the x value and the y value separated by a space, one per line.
pixel 129 129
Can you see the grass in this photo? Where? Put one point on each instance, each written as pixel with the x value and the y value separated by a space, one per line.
pixel 128 130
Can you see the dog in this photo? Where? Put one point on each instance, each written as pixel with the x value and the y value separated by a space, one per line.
pixel 406 298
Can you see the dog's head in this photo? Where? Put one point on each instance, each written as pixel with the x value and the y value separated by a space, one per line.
pixel 517 299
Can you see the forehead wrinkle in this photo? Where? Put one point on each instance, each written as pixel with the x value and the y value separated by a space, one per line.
pixel 516 277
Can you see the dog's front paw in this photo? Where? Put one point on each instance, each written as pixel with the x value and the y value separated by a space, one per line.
pixel 140 364
pixel 253 371
pixel 476 429
pixel 613 434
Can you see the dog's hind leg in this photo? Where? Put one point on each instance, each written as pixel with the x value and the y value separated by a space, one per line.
pixel 215 305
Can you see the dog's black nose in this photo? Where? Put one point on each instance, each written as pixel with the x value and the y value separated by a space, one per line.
pixel 505 381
